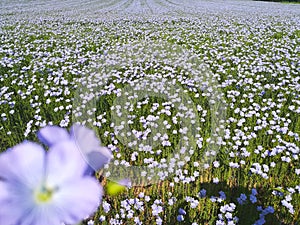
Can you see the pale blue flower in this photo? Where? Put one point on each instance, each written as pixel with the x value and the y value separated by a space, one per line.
pixel 45 188
pixel 85 139
pixel 242 199
pixel 222 195
pixel 270 209
pixel 253 198
pixel 181 211
pixel 254 191
pixel 261 221
pixel 180 218
pixel 202 193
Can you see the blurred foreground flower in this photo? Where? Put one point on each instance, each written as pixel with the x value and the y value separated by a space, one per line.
pixel 86 141
pixel 49 188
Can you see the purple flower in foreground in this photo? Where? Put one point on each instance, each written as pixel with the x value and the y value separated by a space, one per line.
pixel 85 139
pixel 49 188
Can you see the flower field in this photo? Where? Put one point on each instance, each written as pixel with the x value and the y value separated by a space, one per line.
pixel 198 101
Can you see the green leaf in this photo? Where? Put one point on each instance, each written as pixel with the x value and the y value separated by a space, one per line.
pixel 113 188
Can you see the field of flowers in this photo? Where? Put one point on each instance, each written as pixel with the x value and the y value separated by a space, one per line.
pixel 199 101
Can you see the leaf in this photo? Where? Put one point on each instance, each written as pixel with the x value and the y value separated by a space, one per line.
pixel 113 188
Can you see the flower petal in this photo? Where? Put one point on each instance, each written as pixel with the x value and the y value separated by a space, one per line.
pixel 125 182
pixel 90 145
pixel 78 199
pixel 85 138
pixel 24 163
pixel 16 201
pixel 64 163
pixel 51 135
pixel 97 159
pixel 7 215
pixel 43 214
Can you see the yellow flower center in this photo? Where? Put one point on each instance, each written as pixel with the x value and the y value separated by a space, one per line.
pixel 44 195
